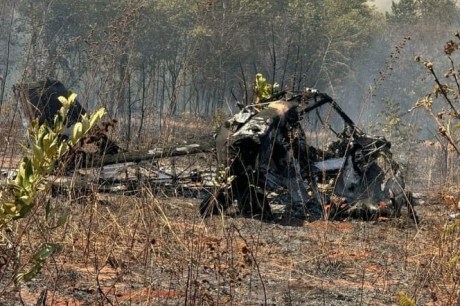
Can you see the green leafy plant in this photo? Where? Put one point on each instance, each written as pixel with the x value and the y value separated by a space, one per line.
pixel 262 89
pixel 38 260
pixel 47 147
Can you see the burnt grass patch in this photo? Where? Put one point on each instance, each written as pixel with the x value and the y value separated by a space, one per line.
pixel 151 250
pixel 155 249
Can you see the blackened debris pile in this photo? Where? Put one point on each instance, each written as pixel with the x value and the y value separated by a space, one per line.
pixel 263 148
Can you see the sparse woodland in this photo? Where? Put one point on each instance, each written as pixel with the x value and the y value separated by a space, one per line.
pixel 171 71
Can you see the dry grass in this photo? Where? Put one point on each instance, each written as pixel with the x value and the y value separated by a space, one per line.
pixel 11 136
pixel 126 250
pixel 151 249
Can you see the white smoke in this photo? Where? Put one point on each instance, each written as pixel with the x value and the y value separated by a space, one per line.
pixel 383 5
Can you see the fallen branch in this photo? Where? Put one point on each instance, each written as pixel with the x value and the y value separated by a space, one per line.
pixel 93 160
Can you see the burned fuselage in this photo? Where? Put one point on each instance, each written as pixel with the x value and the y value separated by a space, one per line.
pixel 263 148
pixel 256 150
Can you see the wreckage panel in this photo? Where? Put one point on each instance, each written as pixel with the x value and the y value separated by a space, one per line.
pixel 39 100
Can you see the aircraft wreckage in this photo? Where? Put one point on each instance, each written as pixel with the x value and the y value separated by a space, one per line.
pixel 261 151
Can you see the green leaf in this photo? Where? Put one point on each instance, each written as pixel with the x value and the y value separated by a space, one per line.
pixel 77 132
pixel 63 148
pixel 64 101
pixel 46 251
pixel 21 173
pixel 25 199
pixel 96 116
pixel 85 124
pixel 72 98
pixel 23 210
pixel 29 275
pixel 9 208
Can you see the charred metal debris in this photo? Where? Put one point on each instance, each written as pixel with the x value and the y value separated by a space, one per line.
pixel 262 149
pixel 263 160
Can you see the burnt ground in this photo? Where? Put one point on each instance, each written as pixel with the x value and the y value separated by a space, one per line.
pixel 154 250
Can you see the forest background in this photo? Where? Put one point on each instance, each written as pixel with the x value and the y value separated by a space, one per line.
pixel 149 61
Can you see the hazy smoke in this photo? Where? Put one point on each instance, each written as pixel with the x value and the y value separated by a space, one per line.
pixel 383 5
